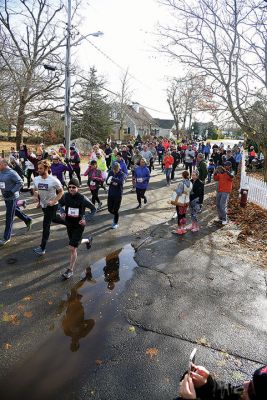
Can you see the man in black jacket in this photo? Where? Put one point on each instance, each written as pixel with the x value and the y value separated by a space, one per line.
pixel 200 385
pixel 176 157
pixel 74 215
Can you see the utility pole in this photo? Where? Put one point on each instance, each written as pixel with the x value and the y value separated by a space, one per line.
pixel 67 126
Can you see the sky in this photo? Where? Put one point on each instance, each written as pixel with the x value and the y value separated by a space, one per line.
pixel 129 40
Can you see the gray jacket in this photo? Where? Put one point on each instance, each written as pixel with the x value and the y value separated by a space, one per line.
pixel 10 184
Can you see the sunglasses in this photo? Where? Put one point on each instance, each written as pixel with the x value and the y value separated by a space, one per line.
pixel 72 187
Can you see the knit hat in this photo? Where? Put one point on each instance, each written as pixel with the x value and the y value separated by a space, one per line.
pixel 260 383
pixel 74 182
pixel 227 164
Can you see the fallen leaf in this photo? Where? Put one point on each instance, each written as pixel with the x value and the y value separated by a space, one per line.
pixel 12 318
pixel 21 307
pixel 27 298
pixel 131 329
pixel 50 302
pixel 152 352
pixel 98 362
pixel 203 341
pixel 7 346
pixel 27 314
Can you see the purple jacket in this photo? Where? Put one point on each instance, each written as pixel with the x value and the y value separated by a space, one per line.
pixel 58 169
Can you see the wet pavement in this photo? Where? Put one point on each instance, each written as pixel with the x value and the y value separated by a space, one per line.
pixel 76 343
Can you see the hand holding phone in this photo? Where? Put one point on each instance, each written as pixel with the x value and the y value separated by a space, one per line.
pixel 192 360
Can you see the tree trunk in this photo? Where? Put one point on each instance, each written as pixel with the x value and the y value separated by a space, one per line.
pixel 20 124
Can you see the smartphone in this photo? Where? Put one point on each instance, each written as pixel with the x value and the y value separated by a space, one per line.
pixel 192 360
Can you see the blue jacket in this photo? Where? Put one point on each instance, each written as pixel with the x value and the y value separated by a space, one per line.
pixel 10 184
pixel 238 157
pixel 123 167
pixel 206 149
pixel 142 176
pixel 116 184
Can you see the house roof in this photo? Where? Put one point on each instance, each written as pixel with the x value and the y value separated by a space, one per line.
pixel 140 118
pixel 164 123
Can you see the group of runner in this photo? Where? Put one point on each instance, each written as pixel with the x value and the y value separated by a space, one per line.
pixel 109 167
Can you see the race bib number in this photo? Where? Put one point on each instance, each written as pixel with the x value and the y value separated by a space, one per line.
pixel 2 185
pixel 22 159
pixel 92 183
pixel 42 186
pixel 73 212
pixel 160 152
pixel 114 183
pixel 140 180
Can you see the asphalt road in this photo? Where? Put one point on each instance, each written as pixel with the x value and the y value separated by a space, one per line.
pixel 150 297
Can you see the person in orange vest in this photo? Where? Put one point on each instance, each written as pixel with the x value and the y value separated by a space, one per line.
pixel 168 161
pixel 224 177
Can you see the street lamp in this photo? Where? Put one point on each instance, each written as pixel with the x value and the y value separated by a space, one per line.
pixel 67 126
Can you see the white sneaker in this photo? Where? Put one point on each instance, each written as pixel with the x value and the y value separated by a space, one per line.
pixel 67 274
pixel 224 222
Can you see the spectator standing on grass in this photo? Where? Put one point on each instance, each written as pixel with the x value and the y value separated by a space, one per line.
pixel 224 177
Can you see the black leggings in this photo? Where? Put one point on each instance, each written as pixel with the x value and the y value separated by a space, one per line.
pixel 95 197
pixel 140 193
pixel 49 217
pixel 189 166
pixel 30 172
pixel 78 174
pixel 114 204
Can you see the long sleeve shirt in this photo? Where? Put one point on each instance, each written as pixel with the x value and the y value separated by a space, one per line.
pixel 10 184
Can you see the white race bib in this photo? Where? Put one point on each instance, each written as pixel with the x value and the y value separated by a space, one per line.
pixel 2 185
pixel 92 183
pixel 139 180
pixel 73 212
pixel 22 159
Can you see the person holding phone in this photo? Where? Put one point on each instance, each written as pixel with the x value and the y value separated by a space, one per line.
pixel 198 384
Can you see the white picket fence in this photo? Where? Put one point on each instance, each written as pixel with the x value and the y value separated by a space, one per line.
pixel 257 190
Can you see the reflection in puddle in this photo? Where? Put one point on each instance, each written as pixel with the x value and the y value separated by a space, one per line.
pixel 79 337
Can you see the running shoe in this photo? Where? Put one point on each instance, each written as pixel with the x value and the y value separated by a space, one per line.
pixel 114 226
pixel 29 225
pixel 89 243
pixel 67 274
pixel 99 206
pixel 39 251
pixel 3 242
pixel 224 222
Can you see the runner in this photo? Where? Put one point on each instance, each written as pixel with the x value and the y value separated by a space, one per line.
pixel 168 162
pixel 49 189
pixel 142 177
pixel 10 185
pixel 58 169
pixel 75 204
pixel 95 180
pixel 115 181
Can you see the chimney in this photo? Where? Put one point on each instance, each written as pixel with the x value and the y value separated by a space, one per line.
pixel 136 107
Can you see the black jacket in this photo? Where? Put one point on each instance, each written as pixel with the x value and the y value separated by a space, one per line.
pixel 197 190
pixel 75 202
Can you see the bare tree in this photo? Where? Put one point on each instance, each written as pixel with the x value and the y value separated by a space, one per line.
pixel 124 99
pixel 225 40
pixel 33 33
pixel 186 96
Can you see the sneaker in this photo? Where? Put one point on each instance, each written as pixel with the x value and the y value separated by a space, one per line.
pixel 29 225
pixel 67 274
pixel 114 226
pixel 139 206
pixel 99 206
pixel 178 231
pixel 89 243
pixel 3 242
pixel 224 222
pixel 39 251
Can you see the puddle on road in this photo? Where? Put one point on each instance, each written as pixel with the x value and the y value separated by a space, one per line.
pixel 77 340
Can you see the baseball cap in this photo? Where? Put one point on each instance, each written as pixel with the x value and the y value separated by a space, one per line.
pixel 74 182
